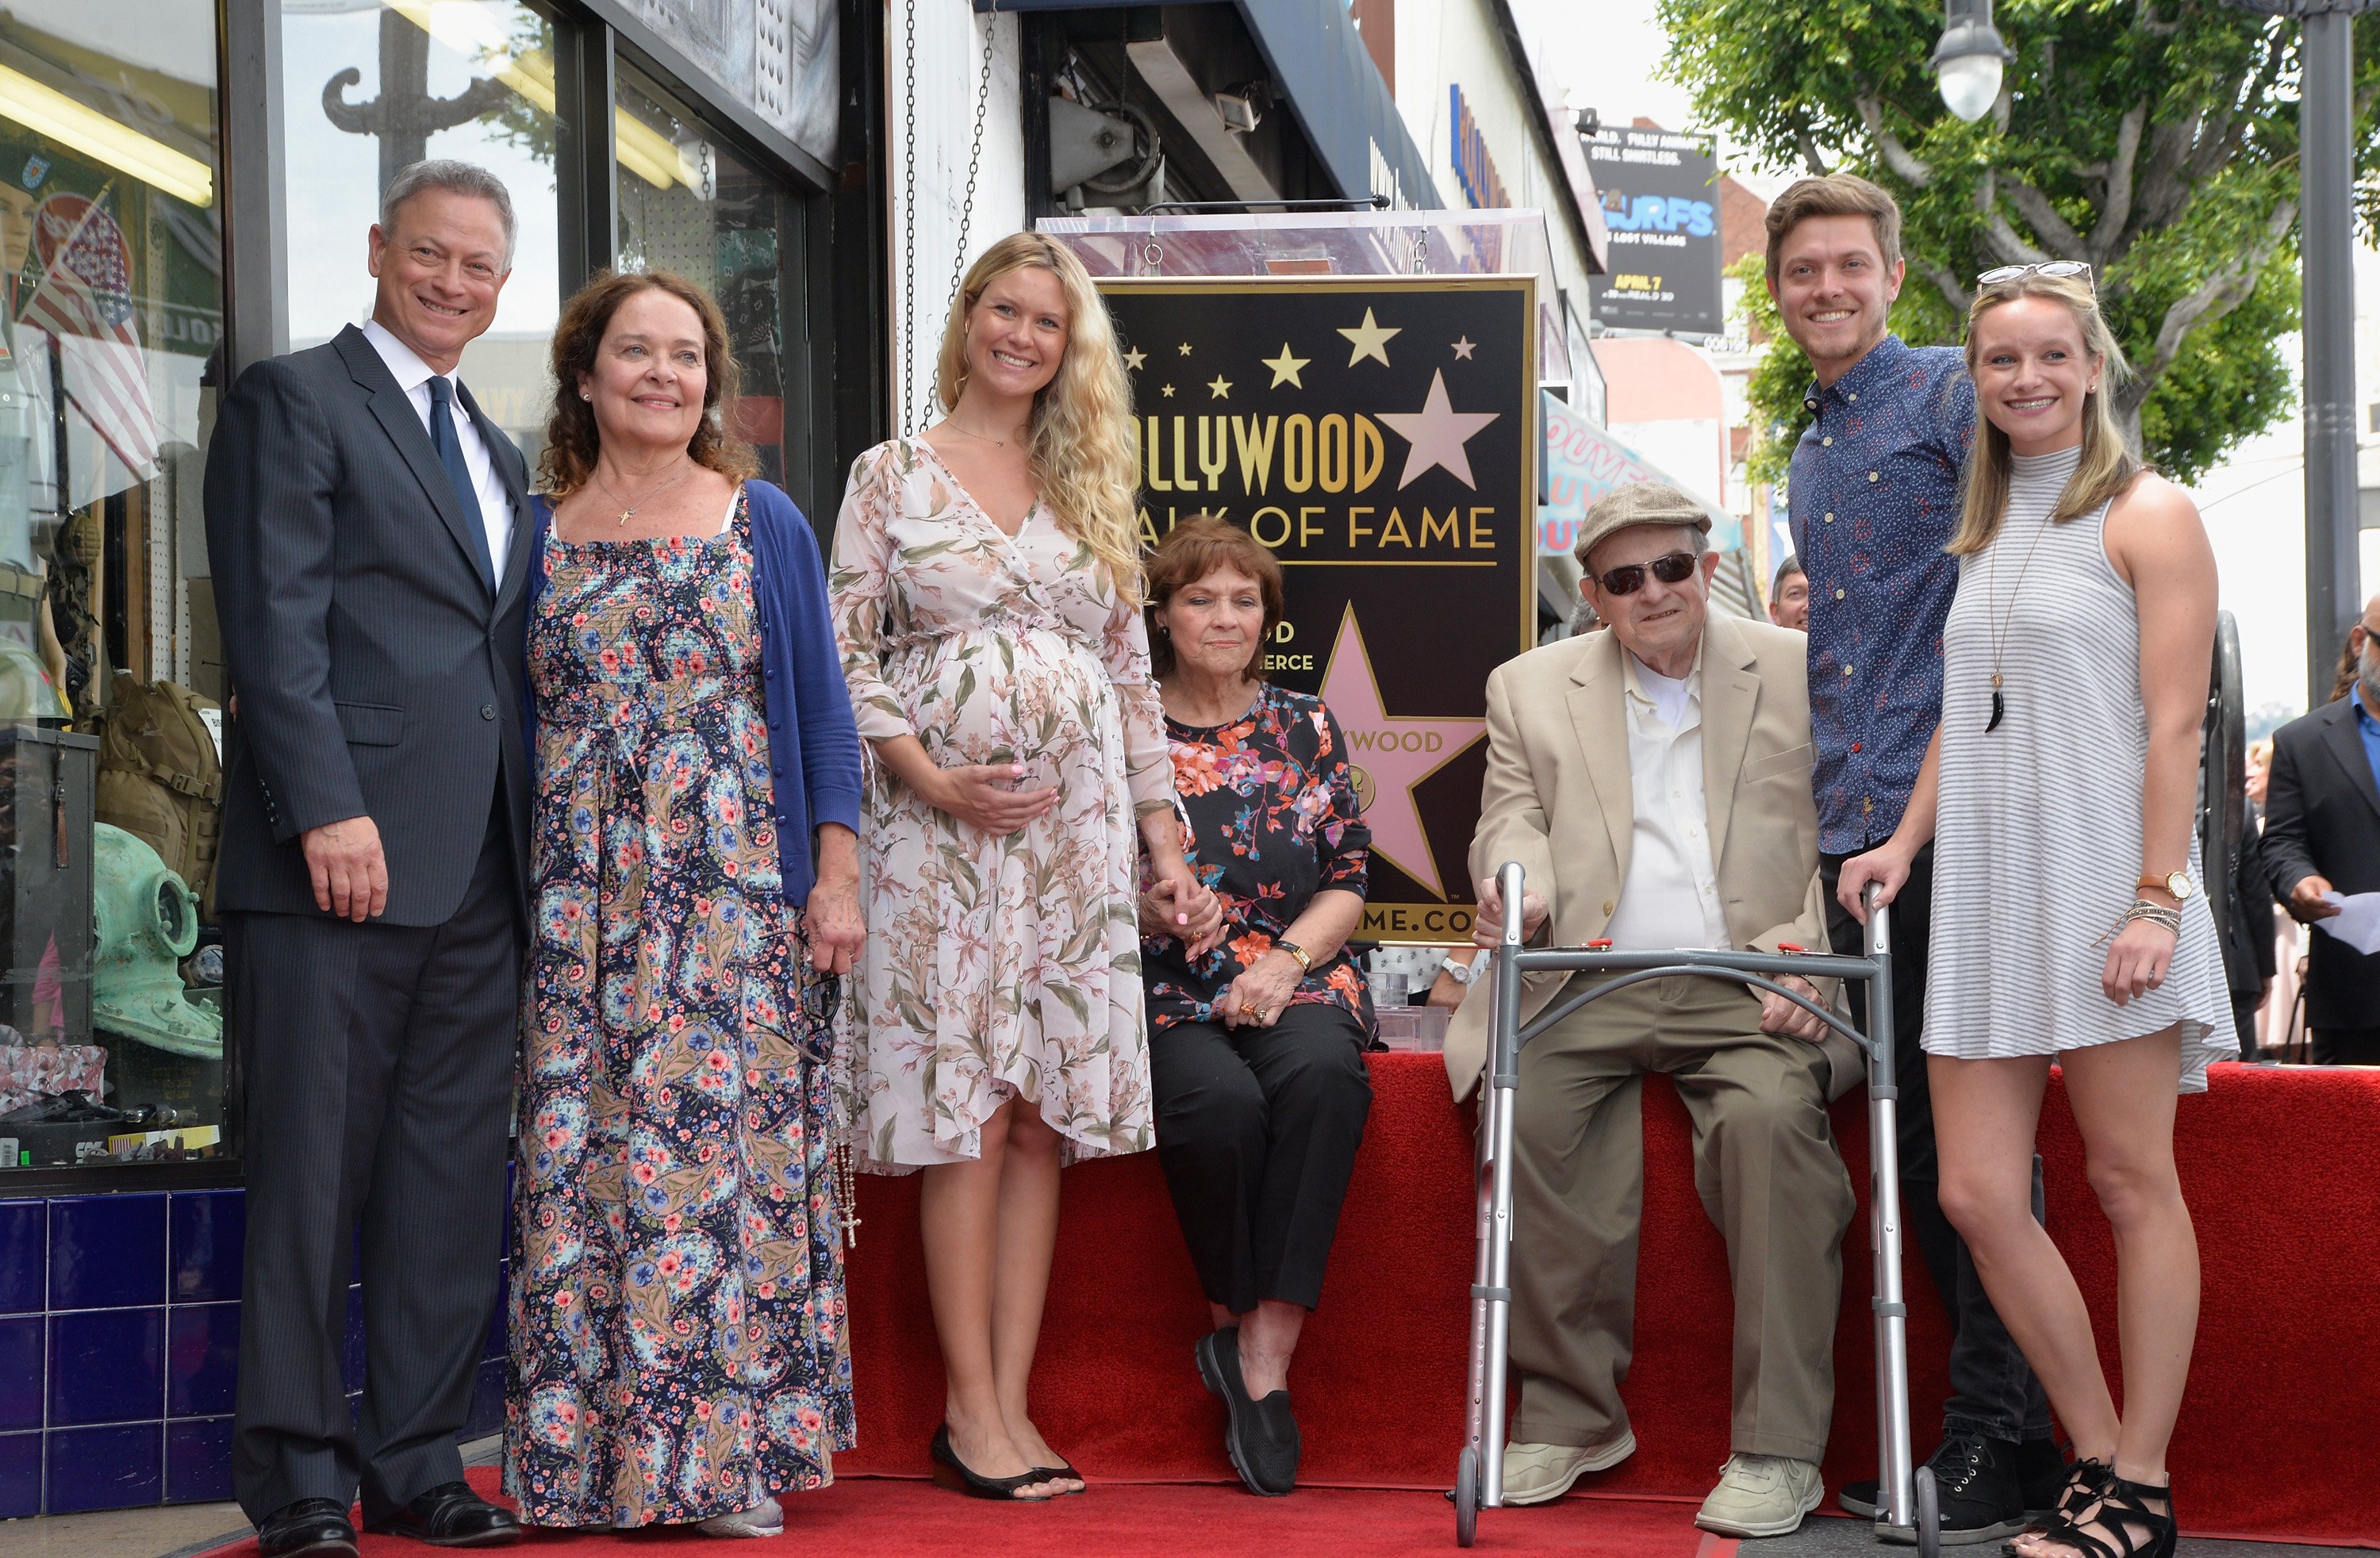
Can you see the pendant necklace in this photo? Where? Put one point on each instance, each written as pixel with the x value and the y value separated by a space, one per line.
pixel 1999 638
pixel 628 510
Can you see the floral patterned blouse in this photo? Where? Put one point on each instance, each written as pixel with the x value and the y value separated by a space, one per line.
pixel 1271 819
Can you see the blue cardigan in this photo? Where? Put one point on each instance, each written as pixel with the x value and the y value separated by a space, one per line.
pixel 813 743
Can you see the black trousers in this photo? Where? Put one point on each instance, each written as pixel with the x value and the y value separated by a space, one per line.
pixel 377 1062
pixel 1993 1392
pixel 2346 1046
pixel 1257 1129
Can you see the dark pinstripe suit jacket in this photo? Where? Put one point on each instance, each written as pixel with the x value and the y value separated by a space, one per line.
pixel 375 676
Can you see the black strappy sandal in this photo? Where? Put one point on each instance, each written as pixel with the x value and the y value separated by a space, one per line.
pixel 2086 1482
pixel 2132 1530
pixel 955 1474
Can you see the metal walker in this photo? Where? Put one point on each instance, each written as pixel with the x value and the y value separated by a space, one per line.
pixel 1906 1498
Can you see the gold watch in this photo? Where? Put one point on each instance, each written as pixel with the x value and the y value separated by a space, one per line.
pixel 2176 882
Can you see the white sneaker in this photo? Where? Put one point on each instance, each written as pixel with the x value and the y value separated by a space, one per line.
pixel 765 1519
pixel 1761 1496
pixel 1540 1473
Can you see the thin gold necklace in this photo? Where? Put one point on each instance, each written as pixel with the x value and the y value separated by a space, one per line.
pixel 628 510
pixel 978 437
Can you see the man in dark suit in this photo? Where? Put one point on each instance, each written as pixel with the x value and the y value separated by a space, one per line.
pixel 368 527
pixel 2322 833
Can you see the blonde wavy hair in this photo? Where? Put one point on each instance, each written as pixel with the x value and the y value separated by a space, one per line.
pixel 1083 459
pixel 2107 464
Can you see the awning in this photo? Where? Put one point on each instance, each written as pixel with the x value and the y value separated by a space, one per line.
pixel 1333 90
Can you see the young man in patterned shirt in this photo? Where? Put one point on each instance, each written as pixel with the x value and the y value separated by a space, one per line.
pixel 1875 494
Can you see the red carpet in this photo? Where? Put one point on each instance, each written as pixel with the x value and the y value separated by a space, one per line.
pixel 2281 1167
pixel 880 1517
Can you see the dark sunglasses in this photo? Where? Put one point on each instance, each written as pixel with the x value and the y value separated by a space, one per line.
pixel 1672 570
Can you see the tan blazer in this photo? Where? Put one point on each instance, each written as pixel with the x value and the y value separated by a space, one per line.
pixel 1557 799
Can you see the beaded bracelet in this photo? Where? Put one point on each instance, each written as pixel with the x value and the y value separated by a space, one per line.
pixel 2155 914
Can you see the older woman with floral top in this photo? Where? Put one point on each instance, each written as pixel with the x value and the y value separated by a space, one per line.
pixel 1256 1045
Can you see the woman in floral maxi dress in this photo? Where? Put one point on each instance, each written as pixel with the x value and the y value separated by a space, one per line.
pixel 677 1303
pixel 986 589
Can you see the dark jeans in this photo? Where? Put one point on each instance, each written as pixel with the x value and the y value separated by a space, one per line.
pixel 1993 1392
pixel 2346 1046
pixel 1256 1130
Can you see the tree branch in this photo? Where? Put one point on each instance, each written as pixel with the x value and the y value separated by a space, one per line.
pixel 2115 207
pixel 2214 297
pixel 1809 145
pixel 2005 241
pixel 2157 196
pixel 1904 164
pixel 2052 228
pixel 1946 283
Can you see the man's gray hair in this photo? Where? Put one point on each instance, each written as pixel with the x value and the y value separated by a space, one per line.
pixel 457 177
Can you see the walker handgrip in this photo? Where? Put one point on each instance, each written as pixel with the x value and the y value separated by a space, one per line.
pixel 1509 884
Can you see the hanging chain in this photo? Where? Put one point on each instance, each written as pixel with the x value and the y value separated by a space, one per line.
pixel 967 209
pixel 910 211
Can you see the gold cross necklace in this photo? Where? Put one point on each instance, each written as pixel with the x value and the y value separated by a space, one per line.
pixel 628 510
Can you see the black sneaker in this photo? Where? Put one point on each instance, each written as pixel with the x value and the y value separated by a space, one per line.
pixel 2041 1472
pixel 1975 1486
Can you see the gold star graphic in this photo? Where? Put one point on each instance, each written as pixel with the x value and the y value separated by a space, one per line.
pixel 1134 359
pixel 1220 388
pixel 1464 347
pixel 1285 368
pixel 1369 340
pixel 1186 349
pixel 1167 391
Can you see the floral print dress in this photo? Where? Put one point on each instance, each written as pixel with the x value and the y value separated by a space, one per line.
pixel 995 966
pixel 677 1300
pixel 1271 819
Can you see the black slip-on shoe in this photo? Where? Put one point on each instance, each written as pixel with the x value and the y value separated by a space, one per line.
pixel 1261 1437
pixel 306 1529
pixel 451 1516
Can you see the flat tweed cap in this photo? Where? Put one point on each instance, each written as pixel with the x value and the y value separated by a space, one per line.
pixel 1639 503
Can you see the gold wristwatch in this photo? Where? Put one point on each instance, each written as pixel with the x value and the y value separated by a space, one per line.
pixel 2176 882
pixel 1304 960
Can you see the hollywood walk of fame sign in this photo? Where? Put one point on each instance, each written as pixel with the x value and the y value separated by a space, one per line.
pixel 1379 433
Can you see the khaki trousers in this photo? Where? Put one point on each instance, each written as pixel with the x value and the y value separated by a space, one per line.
pixel 1769 1177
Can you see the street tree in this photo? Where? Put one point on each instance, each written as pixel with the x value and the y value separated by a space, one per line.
pixel 2156 139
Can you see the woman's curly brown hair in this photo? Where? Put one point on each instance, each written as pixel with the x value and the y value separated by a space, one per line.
pixel 572 439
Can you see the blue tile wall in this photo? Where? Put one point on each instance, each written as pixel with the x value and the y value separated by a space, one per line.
pixel 197 1461
pixel 119 1350
pixel 108 1251
pixel 201 1359
pixel 20 1373
pixel 107 1366
pixel 208 1228
pixel 24 1255
pixel 107 1468
pixel 20 1475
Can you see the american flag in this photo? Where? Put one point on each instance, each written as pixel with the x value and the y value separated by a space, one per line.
pixel 85 299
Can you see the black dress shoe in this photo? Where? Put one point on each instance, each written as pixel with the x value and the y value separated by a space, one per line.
pixel 1261 1436
pixel 451 1516
pixel 313 1528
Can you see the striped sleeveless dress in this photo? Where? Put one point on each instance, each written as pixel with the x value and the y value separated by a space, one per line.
pixel 2037 843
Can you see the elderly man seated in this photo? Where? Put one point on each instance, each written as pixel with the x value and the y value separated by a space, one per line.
pixel 1654 782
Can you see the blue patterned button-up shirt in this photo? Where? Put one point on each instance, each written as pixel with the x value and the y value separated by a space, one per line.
pixel 1875 494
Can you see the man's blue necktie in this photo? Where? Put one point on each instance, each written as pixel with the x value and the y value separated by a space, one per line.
pixel 443 438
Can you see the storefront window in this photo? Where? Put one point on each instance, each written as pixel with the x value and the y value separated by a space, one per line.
pixel 689 205
pixel 369 88
pixel 111 1028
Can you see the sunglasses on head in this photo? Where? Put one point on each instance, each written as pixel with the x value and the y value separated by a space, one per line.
pixel 2047 268
pixel 1629 578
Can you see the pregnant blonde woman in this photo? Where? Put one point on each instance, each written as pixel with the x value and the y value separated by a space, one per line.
pixel 987 590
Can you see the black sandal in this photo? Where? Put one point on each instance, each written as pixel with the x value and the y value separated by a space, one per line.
pixel 953 1473
pixel 2132 1530
pixel 2086 1481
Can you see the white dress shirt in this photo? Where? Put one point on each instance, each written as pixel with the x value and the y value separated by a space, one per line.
pixel 413 377
pixel 1670 896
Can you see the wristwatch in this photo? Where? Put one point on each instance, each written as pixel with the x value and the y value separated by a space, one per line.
pixel 1305 962
pixel 1459 972
pixel 2176 882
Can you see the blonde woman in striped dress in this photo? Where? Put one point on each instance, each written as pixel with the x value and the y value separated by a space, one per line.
pixel 2070 920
